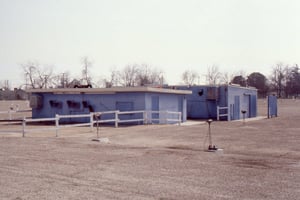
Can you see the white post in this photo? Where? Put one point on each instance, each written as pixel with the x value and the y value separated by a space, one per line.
pixel 116 119
pixel 179 118
pixel 228 114
pixel 218 113
pixel 91 121
pixel 57 124
pixel 150 112
pixel 145 117
pixel 23 125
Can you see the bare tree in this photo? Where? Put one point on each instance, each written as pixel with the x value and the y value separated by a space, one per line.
pixel 128 75
pixel 5 85
pixel 62 80
pixel 114 79
pixel 189 77
pixel 157 77
pixel 135 75
pixel 213 75
pixel 146 75
pixel 292 87
pixel 226 78
pixel 277 78
pixel 37 76
pixel 65 79
pixel 86 65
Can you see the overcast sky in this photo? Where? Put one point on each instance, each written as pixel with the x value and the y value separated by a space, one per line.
pixel 171 35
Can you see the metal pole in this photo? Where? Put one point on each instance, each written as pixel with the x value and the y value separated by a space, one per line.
pixel 211 147
pixel 244 116
pixel 97 127
pixel 209 134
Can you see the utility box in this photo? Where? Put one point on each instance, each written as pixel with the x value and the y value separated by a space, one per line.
pixel 212 93
pixel 36 101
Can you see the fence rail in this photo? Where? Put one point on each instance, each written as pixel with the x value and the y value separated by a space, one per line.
pixel 222 115
pixel 10 113
pixel 95 117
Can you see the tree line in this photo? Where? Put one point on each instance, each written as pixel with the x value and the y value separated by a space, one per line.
pixel 37 76
pixel 284 80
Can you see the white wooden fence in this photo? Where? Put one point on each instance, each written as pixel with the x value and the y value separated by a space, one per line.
pixel 9 113
pixel 164 117
pixel 226 114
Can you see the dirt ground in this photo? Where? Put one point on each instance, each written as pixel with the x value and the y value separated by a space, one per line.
pixel 260 160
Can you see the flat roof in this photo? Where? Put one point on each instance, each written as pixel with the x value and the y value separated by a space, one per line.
pixel 112 90
pixel 229 85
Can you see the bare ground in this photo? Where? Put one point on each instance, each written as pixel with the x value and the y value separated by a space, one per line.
pixel 260 160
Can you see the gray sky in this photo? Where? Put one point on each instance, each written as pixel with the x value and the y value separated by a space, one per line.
pixel 171 35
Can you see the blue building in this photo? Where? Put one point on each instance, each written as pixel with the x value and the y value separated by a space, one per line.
pixel 46 103
pixel 224 102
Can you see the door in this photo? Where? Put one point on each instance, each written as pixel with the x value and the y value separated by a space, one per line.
pixel 236 108
pixel 184 112
pixel 252 106
pixel 272 106
pixel 155 107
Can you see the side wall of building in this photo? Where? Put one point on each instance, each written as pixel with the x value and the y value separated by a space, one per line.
pixel 242 99
pixel 166 102
pixel 204 100
pixel 72 104
pixel 47 105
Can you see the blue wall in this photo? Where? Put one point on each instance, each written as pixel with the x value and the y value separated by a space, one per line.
pixel 203 102
pixel 68 104
pixel 240 98
pixel 166 102
pixel 272 106
pixel 198 104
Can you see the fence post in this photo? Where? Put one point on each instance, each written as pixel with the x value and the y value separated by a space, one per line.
pixel 56 124
pixel 149 116
pixel 228 114
pixel 91 121
pixel 23 125
pixel 116 118
pixel 179 118
pixel 166 116
pixel 145 117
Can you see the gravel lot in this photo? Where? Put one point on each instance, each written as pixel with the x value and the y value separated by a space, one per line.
pixel 260 160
